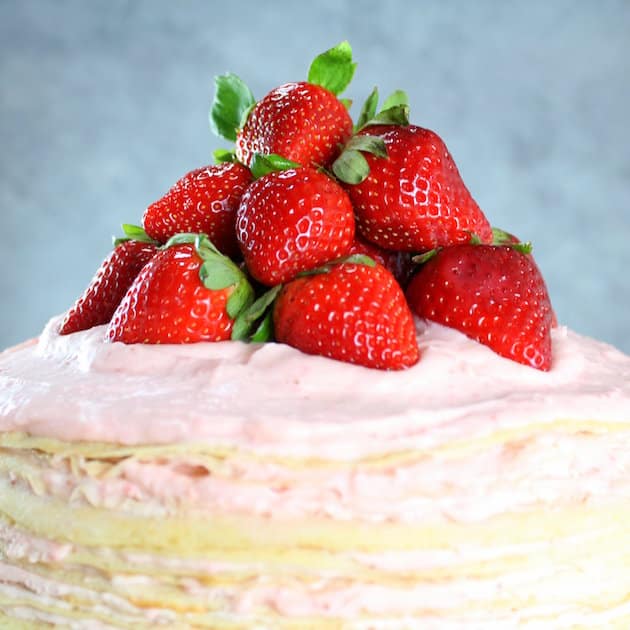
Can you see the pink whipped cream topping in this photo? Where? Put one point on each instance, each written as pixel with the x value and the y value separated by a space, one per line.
pixel 273 399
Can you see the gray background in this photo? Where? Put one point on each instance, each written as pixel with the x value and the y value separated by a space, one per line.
pixel 103 105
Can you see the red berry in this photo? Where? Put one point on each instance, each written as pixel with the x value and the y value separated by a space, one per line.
pixel 293 221
pixel 505 238
pixel 353 313
pixel 494 294
pixel 300 121
pixel 203 201
pixel 414 199
pixel 108 287
pixel 167 303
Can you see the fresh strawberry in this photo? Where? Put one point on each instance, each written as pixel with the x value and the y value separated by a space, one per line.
pixel 108 287
pixel 187 293
pixel 354 313
pixel 501 237
pixel 494 294
pixel 302 122
pixel 205 200
pixel 399 264
pixel 292 221
pixel 414 199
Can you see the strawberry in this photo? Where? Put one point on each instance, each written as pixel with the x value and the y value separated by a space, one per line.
pixel 292 221
pixel 414 199
pixel 399 264
pixel 189 292
pixel 108 287
pixel 204 200
pixel 354 313
pixel 493 294
pixel 302 122
pixel 501 237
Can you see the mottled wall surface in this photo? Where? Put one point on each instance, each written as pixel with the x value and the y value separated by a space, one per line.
pixel 103 105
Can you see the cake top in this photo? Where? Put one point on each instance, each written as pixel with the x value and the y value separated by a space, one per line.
pixel 322 233
pixel 274 399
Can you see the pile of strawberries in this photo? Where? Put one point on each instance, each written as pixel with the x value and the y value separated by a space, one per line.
pixel 322 234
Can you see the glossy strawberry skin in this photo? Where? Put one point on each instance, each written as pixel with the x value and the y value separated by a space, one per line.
pixel 203 201
pixel 302 122
pixel 167 303
pixel 353 313
pixel 415 199
pixel 108 286
pixel 493 294
pixel 292 221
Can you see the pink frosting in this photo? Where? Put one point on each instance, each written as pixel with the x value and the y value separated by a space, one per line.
pixel 273 399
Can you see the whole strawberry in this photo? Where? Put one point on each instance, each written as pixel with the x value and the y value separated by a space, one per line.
pixel 501 237
pixel 292 221
pixel 354 313
pixel 205 201
pixel 108 286
pixel 302 122
pixel 493 294
pixel 189 292
pixel 414 198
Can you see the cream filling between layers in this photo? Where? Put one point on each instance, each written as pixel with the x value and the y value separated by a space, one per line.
pixel 549 469
pixel 540 586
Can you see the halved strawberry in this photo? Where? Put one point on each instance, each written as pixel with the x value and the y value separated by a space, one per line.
pixel 292 221
pixel 203 201
pixel 108 286
pixel 414 198
pixel 354 312
pixel 189 292
pixel 493 294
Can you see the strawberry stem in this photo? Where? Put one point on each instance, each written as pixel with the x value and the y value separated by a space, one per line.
pixel 264 332
pixel 396 99
pixel 218 271
pixel 346 102
pixel 501 237
pixel 133 233
pixel 420 259
pixel 368 111
pixel 333 69
pixel 233 101
pixel 252 313
pixel 351 167
pixel 264 164
pixel 524 248
pixel 224 155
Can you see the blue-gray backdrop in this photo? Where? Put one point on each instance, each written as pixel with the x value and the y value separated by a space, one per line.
pixel 103 105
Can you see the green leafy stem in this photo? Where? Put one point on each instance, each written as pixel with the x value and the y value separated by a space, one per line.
pixel 219 272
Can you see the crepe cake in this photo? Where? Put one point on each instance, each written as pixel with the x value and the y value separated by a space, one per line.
pixel 233 485
pixel 300 397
